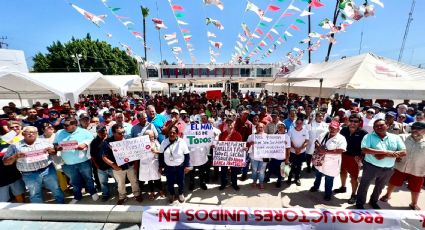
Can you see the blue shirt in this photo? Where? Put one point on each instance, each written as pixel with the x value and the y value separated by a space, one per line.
pixel 288 123
pixel 158 121
pixel 391 142
pixel 72 157
pixel 127 129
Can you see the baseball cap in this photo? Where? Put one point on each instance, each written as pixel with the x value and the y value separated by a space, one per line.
pixel 100 128
pixel 175 111
pixel 371 110
pixel 183 111
pixel 418 125
pixel 391 114
pixel 84 115
pixel 376 105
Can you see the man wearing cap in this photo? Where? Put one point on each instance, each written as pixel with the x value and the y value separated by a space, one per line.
pixel 174 121
pixel 381 149
pixel 184 116
pixel 402 109
pixel 378 113
pixel 393 126
pixel 107 120
pixel 104 171
pixel 352 157
pixel 410 167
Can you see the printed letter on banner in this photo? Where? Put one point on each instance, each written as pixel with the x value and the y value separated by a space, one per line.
pixel 229 153
pixel 199 135
pixel 36 156
pixel 69 145
pixel 269 146
pixel 130 149
pixel 165 217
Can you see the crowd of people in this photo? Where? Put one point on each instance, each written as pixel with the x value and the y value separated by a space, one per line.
pixel 63 146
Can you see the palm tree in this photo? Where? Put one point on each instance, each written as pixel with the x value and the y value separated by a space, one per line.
pixel 145 13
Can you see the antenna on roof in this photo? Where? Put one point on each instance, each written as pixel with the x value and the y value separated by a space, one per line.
pixel 409 20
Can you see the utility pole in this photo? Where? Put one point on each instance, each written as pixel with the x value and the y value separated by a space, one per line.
pixel 78 58
pixel 2 43
pixel 406 31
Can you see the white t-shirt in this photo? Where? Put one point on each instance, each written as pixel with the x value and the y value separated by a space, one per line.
pixel 251 138
pixel 332 164
pixel 174 154
pixel 368 124
pixel 298 138
pixel 287 145
pixel 198 155
pixel 314 131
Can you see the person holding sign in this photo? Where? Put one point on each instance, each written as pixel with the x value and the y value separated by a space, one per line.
pixel 149 167
pixel 332 144
pixel 258 164
pixel 299 141
pixel 120 172
pixel 31 157
pixel 274 166
pixel 174 157
pixel 230 134
pixel 73 141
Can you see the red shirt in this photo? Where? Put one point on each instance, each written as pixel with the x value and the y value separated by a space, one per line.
pixel 265 119
pixel 232 136
pixel 181 125
pixel 244 128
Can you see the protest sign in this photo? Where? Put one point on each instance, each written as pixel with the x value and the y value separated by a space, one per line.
pixel 69 145
pixel 129 150
pixel 199 135
pixel 8 137
pixel 229 153
pixel 269 146
pixel 36 156
pixel 278 218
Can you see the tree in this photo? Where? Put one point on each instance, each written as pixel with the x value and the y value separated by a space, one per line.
pixel 96 56
pixel 145 13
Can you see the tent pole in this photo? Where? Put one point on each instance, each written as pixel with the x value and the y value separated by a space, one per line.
pixel 320 92
pixel 19 95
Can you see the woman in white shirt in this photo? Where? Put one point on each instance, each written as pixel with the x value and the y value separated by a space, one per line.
pixel 149 167
pixel 257 164
pixel 175 158
pixel 299 141
pixel 332 144
pixel 315 129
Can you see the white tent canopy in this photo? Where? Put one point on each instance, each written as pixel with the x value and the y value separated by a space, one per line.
pixel 363 76
pixel 71 85
pixel 15 85
pixel 149 86
pixel 122 82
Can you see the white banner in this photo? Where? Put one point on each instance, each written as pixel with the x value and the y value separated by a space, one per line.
pixel 69 145
pixel 269 146
pixel 129 150
pixel 229 153
pixel 284 218
pixel 199 135
pixel 36 156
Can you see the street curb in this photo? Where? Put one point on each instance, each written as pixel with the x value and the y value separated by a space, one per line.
pixel 72 213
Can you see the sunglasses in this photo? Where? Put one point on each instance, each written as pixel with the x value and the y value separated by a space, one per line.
pixel 355 121
pixel 15 127
pixel 402 117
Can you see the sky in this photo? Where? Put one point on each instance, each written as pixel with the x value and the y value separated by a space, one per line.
pixel 32 25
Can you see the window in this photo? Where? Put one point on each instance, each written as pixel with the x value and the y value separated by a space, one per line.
pixel 245 72
pixel 260 85
pixel 152 73
pixel 216 85
pixel 264 72
pixel 219 72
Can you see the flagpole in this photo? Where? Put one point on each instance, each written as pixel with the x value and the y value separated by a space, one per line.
pixel 159 32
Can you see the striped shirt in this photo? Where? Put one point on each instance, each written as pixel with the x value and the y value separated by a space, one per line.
pixel 23 147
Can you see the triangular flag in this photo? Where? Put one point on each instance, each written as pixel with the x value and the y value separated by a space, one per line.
pixel 298 50
pixel 180 22
pixel 306 13
pixel 217 3
pixel 263 43
pixel 278 42
pixel 262 24
pixel 300 21
pixel 211 34
pixel 187 37
pixel 246 30
pixel 274 31
pixel 177 8
pixel 158 23
pixel 255 35
pixel 378 2
pixel 288 34
pixel 170 36
pixel 216 23
pixel 314 35
pixel 266 19
pixel 137 34
pixel 179 15
pixel 294 27
pixel 126 23
pixel 172 42
pixel 292 7
pixel 243 39
pixel 239 44
pixel 316 4
pixel 270 36
pixel 258 30
pixel 273 8
pixel 286 14
pixel 114 9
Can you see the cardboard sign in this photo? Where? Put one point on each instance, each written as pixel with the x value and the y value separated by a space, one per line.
pixel 199 135
pixel 229 153
pixel 278 218
pixel 69 145
pixel 36 156
pixel 130 149
pixel 269 146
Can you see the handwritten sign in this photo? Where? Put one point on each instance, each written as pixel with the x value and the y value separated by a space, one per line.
pixel 69 145
pixel 8 137
pixel 199 135
pixel 269 146
pixel 229 153
pixel 36 156
pixel 130 149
